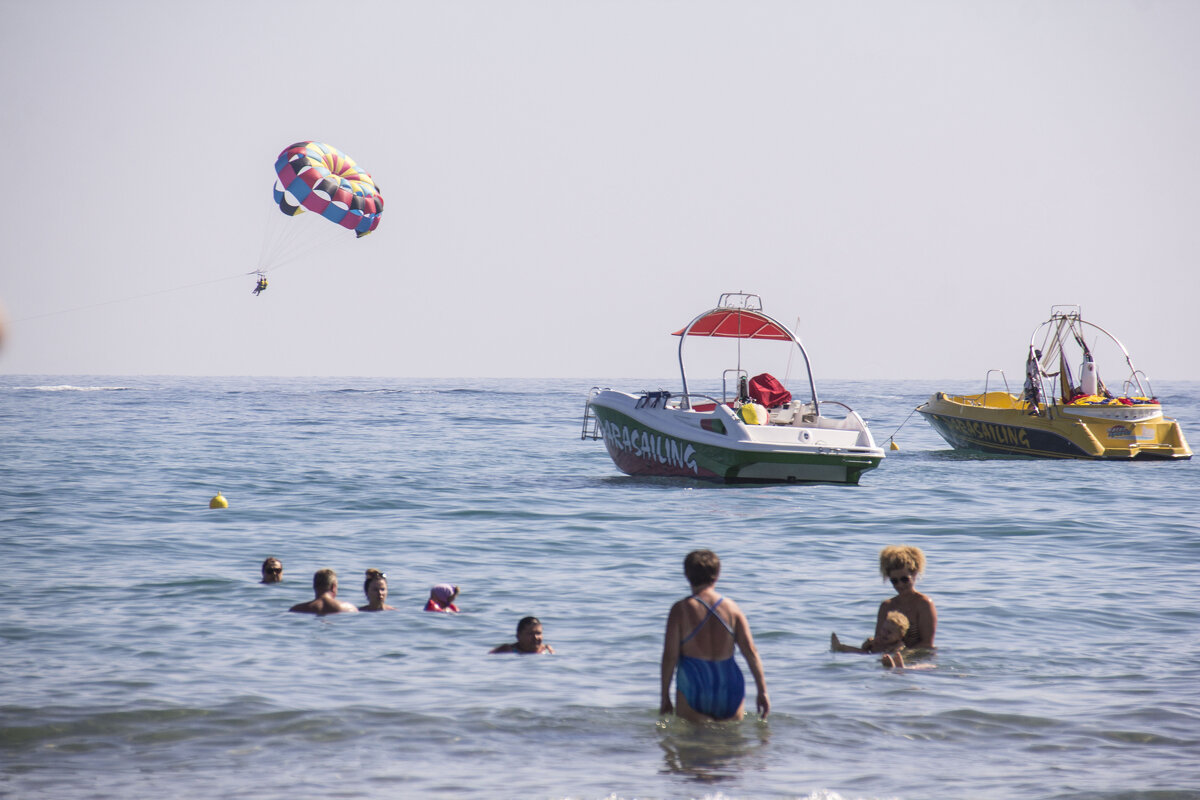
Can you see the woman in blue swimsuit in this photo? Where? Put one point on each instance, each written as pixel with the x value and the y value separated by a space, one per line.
pixel 702 630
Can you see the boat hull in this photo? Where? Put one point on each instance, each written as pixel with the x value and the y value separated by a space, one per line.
pixel 1003 424
pixel 717 446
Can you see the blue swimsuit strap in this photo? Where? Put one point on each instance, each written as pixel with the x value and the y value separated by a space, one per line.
pixel 712 612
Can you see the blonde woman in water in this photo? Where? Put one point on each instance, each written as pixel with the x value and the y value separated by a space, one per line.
pixel 900 564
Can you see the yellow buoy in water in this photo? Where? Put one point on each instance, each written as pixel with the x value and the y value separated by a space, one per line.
pixel 894 446
pixel 218 502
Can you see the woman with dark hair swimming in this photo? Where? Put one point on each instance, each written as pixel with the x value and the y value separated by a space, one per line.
pixel 702 630
pixel 375 587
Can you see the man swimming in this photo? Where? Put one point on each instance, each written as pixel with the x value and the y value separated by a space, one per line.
pixel 272 570
pixel 325 587
pixel 709 685
pixel 529 639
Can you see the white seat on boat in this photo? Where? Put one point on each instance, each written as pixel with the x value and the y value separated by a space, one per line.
pixel 783 415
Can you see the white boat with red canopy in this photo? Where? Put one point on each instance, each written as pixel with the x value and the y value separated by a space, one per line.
pixel 754 432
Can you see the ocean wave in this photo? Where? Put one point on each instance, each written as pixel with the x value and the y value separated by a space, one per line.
pixel 66 387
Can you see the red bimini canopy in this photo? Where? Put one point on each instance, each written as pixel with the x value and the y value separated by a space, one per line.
pixel 736 323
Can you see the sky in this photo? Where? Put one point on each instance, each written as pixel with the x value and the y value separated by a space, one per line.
pixel 912 185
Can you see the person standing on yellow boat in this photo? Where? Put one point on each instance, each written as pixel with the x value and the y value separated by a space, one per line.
pixel 1033 380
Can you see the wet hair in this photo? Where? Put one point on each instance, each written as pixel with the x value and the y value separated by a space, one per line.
pixel 270 559
pixel 901 556
pixel 526 623
pixel 372 575
pixel 324 580
pixel 899 620
pixel 701 567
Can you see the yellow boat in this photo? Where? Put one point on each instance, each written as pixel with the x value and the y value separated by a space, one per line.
pixel 1059 415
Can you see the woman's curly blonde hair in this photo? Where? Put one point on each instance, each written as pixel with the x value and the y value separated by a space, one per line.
pixel 901 556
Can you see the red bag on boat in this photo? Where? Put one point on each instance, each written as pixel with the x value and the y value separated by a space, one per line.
pixel 768 391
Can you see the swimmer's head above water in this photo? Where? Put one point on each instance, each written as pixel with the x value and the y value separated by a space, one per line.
pixel 443 594
pixel 272 570
pixel 901 557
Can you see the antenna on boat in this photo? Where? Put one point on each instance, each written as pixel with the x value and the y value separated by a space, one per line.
pixel 787 373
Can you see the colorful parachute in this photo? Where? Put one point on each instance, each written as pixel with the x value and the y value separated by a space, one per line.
pixel 323 179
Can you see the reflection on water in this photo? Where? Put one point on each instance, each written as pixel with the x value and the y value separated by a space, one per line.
pixel 712 752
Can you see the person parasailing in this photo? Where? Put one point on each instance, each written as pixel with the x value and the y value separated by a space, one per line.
pixel 322 194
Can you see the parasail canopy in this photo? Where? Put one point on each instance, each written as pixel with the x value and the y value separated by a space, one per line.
pixel 736 323
pixel 319 177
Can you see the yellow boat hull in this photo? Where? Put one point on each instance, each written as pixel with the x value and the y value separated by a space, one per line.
pixel 999 422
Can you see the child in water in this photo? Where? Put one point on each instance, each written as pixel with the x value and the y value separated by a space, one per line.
pixel 890 641
pixel 441 598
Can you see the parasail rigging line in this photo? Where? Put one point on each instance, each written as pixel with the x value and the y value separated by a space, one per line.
pixel 114 301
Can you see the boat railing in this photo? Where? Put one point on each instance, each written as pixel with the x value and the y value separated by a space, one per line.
pixel 849 410
pixel 1137 381
pixel 852 419
pixel 746 300
pixel 742 377
pixel 988 377
pixel 685 401
pixel 851 422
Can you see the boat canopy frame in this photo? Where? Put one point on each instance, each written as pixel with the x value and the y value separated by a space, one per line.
pixel 739 315
pixel 1067 322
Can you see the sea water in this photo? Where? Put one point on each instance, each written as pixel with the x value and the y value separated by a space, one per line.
pixel 142 658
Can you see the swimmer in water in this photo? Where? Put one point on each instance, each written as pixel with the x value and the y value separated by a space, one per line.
pixel 902 564
pixel 702 630
pixel 375 587
pixel 325 587
pixel 529 639
pixel 441 598
pixel 890 641
pixel 272 570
